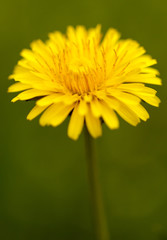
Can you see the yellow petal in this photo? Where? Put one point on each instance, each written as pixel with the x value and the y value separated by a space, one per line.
pixel 49 113
pixel 55 114
pixel 60 116
pixel 16 87
pixel 140 111
pixel 153 80
pixel 150 70
pixel 82 108
pixel 28 54
pixel 110 39
pixel 152 100
pixel 48 99
pixel 127 114
pixel 112 102
pixel 109 116
pixel 144 78
pixel 131 86
pixel 76 124
pixel 35 112
pixel 66 99
pixel 138 89
pixel 93 124
pixel 57 98
pixel 29 94
pixel 88 98
pixel 42 52
pixel 27 78
pixel 96 107
pixel 125 97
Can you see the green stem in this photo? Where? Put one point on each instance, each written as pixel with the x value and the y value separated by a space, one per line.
pixel 100 223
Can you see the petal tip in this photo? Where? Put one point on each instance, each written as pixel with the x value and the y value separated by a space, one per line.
pixel 15 99
pixel 10 77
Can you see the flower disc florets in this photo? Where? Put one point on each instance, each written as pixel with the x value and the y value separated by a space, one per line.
pixel 90 77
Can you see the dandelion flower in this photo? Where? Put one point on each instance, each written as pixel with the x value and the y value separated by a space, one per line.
pixel 87 77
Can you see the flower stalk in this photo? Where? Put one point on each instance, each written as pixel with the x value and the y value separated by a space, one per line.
pixel 99 221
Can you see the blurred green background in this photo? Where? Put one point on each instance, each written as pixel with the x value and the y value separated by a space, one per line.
pixel 44 192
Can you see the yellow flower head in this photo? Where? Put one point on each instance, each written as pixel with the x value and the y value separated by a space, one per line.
pixel 87 77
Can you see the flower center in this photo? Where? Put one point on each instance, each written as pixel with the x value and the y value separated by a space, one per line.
pixel 81 76
pixel 79 66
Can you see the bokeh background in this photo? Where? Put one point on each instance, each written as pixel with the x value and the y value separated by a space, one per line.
pixel 44 192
